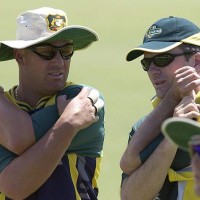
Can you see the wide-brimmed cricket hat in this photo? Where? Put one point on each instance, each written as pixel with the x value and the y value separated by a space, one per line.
pixel 45 25
pixel 180 131
pixel 164 35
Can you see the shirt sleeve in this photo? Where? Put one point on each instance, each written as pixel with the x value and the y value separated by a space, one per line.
pixel 6 157
pixel 88 142
pixel 45 118
pixel 144 154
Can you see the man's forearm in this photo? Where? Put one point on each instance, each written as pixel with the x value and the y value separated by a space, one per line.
pixel 150 128
pixel 145 182
pixel 37 163
pixel 16 131
pixel 145 134
pixel 40 160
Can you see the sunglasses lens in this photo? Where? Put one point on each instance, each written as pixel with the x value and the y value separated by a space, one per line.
pixel 146 63
pixel 163 60
pixel 46 52
pixel 67 51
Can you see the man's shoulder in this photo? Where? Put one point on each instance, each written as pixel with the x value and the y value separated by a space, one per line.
pixel 10 94
pixel 72 89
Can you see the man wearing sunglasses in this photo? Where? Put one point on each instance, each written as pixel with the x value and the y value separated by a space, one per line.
pixel 57 154
pixel 153 168
pixel 186 118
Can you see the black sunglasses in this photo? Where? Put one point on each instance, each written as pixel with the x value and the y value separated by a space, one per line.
pixel 48 51
pixel 161 60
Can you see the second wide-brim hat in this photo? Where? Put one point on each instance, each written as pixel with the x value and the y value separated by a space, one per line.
pixel 180 131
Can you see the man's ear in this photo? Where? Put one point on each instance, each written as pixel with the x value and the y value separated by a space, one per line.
pixel 197 61
pixel 19 55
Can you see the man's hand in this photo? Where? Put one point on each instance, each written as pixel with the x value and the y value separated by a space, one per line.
pixel 80 111
pixel 186 80
pixel 187 108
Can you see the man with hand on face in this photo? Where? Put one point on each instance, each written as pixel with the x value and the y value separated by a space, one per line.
pixel 154 168
pixel 183 128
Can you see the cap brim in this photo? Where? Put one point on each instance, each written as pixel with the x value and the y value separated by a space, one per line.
pixel 180 131
pixel 152 47
pixel 194 39
pixel 82 38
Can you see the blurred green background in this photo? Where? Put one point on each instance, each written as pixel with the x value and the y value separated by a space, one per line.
pixel 125 86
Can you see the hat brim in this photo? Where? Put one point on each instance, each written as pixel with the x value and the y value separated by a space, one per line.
pixel 82 38
pixel 180 131
pixel 152 47
pixel 194 39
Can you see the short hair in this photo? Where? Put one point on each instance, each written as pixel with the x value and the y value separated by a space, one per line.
pixel 189 48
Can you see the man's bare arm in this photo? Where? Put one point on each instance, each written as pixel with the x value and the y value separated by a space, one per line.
pixel 16 130
pixel 146 181
pixel 34 162
pixel 145 134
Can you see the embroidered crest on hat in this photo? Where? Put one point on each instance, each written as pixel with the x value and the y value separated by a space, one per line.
pixel 153 30
pixel 56 22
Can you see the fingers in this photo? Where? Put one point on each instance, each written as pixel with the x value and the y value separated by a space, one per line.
pixel 190 85
pixel 186 79
pixel 187 108
pixel 98 105
pixel 93 96
pixel 190 110
pixel 185 70
pixel 80 111
pixel 190 115
pixel 96 102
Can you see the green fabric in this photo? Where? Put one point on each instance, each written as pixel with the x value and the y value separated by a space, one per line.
pixel 87 142
pixel 169 191
pixel 6 157
pixel 181 160
pixel 180 131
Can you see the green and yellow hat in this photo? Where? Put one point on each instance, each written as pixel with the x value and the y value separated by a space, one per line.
pixel 164 35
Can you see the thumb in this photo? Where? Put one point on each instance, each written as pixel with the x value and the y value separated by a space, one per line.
pixel 62 98
pixel 62 102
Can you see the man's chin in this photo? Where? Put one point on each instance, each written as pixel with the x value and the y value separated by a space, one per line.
pixel 160 96
pixel 55 90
